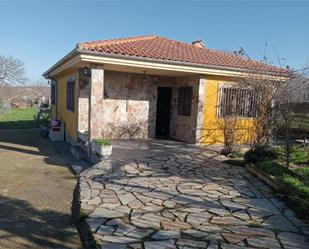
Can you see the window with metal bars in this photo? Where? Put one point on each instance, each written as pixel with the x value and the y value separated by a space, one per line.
pixel 184 101
pixel 238 102
pixel 70 95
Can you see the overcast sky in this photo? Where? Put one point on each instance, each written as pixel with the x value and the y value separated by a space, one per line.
pixel 41 32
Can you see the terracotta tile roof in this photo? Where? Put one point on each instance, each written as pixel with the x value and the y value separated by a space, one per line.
pixel 164 49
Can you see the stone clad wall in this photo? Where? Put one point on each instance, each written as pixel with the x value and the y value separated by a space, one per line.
pixel 83 102
pixel 130 105
pixel 184 127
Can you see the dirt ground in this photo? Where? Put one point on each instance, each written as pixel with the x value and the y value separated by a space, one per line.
pixel 36 192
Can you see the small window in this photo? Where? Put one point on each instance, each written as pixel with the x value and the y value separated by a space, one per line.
pixel 184 101
pixel 53 92
pixel 70 95
pixel 238 102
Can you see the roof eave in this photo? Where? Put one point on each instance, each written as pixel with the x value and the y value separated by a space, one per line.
pixel 60 62
pixel 78 51
pixel 180 63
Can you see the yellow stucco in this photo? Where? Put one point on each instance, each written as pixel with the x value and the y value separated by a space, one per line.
pixel 68 117
pixel 213 126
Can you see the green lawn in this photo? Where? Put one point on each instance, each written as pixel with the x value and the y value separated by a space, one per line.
pixel 19 119
pixel 298 155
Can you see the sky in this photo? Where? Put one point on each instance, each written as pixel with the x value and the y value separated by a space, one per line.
pixel 39 33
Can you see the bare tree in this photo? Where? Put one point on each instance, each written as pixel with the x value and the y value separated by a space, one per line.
pixel 229 126
pixel 12 71
pixel 275 105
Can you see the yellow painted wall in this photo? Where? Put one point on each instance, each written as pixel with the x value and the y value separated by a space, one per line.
pixel 213 126
pixel 69 117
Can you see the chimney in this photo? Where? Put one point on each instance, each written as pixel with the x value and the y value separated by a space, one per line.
pixel 198 44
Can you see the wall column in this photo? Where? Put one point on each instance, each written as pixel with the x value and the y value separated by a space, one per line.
pixel 200 111
pixel 96 94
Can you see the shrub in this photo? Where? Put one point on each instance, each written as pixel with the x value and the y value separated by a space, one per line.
pixel 260 153
pixel 103 142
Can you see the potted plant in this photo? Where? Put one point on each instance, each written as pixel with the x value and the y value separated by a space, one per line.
pixel 102 147
pixel 56 130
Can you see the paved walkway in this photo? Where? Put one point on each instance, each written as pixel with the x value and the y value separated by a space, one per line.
pixel 36 191
pixel 162 194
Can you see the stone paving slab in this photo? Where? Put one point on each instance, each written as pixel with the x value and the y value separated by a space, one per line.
pixel 163 194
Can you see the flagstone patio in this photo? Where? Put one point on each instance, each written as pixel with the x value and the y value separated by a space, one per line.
pixel 164 194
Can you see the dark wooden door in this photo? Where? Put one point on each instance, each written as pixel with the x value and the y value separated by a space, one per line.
pixel 163 111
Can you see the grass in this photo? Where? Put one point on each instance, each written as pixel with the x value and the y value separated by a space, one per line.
pixel 19 119
pixel 294 188
pixel 236 154
pixel 304 172
pixel 273 168
pixel 298 155
pixel 103 142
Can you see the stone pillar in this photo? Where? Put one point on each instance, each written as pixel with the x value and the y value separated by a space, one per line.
pixel 96 94
pixel 83 101
pixel 200 111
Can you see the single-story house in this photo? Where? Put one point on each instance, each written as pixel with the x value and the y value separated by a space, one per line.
pixel 151 86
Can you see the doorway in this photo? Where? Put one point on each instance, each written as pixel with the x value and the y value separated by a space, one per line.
pixel 163 112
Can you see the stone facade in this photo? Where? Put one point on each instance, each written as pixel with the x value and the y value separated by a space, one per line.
pixel 83 102
pixel 96 102
pixel 184 127
pixel 129 109
pixel 125 105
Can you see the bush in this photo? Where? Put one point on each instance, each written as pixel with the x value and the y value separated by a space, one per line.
pixel 260 153
pixel 103 142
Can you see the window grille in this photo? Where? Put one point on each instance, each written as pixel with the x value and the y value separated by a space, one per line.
pixel 238 102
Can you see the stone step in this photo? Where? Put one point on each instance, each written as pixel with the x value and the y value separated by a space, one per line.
pixel 78 152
